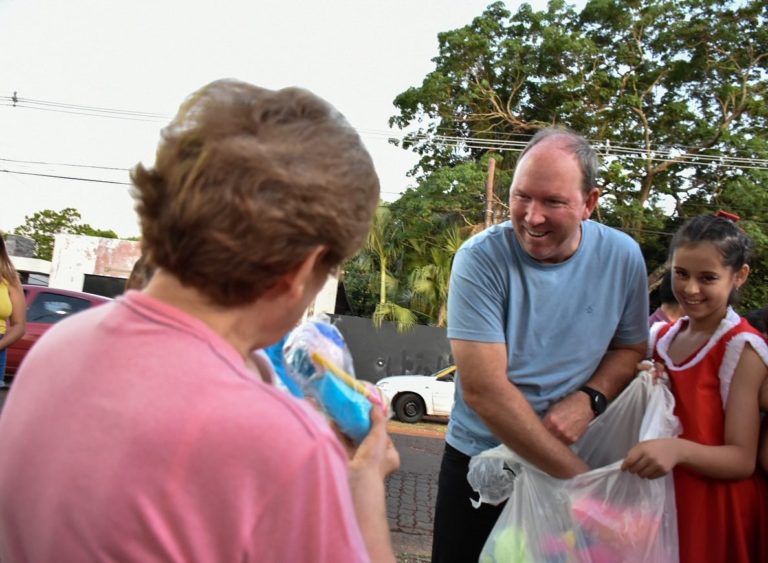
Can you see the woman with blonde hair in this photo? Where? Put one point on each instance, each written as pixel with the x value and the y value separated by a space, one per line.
pixel 150 428
pixel 13 309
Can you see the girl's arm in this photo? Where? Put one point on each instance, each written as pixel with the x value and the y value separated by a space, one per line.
pixel 763 456
pixel 764 447
pixel 17 322
pixel 733 460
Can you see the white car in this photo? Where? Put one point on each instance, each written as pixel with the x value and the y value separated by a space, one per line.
pixel 411 397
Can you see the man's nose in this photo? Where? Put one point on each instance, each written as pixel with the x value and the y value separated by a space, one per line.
pixel 534 214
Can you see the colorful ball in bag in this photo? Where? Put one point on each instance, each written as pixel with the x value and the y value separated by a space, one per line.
pixel 626 528
pixel 511 546
pixel 557 547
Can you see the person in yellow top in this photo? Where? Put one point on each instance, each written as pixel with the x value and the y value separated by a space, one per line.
pixel 13 309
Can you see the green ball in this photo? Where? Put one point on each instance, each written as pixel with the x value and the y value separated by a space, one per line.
pixel 511 546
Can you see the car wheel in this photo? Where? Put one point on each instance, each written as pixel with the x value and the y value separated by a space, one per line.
pixel 409 407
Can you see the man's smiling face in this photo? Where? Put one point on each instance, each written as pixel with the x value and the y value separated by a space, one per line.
pixel 547 203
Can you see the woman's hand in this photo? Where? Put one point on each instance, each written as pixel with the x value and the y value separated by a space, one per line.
pixel 376 450
pixel 653 458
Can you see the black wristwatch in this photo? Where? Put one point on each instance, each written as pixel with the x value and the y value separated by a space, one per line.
pixel 597 400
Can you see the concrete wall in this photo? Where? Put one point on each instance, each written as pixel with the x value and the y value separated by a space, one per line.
pixel 32 265
pixel 18 245
pixel 77 255
pixel 381 352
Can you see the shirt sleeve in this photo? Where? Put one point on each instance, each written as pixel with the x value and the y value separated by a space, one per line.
pixel 477 301
pixel 633 326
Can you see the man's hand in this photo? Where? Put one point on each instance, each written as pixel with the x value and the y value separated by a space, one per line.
pixel 653 458
pixel 567 419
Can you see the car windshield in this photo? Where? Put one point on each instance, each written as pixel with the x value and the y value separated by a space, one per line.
pixel 445 374
pixel 50 308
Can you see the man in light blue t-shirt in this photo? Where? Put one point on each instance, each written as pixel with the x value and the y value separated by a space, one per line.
pixel 547 317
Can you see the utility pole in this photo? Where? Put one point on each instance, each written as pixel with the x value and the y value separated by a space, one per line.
pixel 489 193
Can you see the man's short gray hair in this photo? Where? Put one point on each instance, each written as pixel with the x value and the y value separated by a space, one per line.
pixel 575 144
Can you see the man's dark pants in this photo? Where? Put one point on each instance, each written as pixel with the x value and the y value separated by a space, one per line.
pixel 460 529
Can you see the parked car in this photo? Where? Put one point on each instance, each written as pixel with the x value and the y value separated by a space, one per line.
pixel 411 397
pixel 45 307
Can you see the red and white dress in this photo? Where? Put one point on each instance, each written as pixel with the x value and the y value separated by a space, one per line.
pixel 718 520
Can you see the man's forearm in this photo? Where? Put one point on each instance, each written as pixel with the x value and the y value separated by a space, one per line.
pixel 512 420
pixel 616 370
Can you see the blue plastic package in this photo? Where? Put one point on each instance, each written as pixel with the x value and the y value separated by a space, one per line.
pixel 317 360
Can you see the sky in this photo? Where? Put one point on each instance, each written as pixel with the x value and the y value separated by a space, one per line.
pixel 63 58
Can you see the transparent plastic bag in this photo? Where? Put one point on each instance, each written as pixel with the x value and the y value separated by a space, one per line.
pixel 600 516
pixel 317 363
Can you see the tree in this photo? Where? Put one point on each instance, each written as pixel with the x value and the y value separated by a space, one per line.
pixel 380 254
pixel 43 225
pixel 429 282
pixel 672 92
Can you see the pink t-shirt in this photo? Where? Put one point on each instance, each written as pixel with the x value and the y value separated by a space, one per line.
pixel 135 433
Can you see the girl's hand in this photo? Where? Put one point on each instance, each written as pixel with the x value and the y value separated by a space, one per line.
pixel 653 459
pixel 657 370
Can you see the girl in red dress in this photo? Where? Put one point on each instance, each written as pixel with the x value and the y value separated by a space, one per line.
pixel 716 363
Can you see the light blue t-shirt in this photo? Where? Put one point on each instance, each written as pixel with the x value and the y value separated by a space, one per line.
pixel 557 320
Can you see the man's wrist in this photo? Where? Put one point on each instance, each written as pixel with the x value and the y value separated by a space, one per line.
pixel 597 401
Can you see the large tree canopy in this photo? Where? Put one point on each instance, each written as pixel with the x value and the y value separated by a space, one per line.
pixel 671 92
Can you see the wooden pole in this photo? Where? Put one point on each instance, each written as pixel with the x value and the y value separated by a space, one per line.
pixel 489 193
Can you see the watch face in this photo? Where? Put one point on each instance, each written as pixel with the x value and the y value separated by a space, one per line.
pixel 598 403
pixel 597 400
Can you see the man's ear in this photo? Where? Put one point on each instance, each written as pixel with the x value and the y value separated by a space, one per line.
pixel 591 202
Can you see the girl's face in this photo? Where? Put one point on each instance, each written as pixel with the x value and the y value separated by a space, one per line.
pixel 702 283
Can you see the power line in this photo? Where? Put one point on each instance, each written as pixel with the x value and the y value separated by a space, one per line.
pixel 654 154
pixel 15 100
pixel 92 179
pixel 65 177
pixel 125 118
pixel 63 164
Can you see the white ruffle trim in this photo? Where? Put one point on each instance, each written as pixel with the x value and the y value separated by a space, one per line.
pixel 732 352
pixel 732 355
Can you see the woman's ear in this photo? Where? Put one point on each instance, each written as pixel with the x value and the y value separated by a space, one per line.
pixel 304 272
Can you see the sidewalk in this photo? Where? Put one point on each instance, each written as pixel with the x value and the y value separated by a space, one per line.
pixel 412 491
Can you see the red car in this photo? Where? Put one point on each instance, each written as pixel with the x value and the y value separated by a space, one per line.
pixel 46 306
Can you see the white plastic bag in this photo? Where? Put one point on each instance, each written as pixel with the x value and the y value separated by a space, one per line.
pixel 604 515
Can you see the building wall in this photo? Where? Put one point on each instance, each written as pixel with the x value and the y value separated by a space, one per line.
pixel 74 256
pixel 381 352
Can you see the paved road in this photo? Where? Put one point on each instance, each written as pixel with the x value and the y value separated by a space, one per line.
pixel 411 494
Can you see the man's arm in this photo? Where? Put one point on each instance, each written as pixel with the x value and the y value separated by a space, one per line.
pixel 506 411
pixel 568 419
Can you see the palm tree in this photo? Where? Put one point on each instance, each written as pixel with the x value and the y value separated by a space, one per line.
pixel 429 282
pixel 381 245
